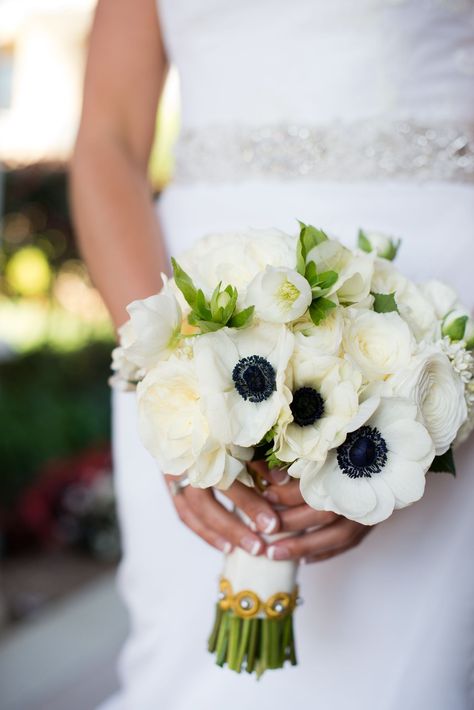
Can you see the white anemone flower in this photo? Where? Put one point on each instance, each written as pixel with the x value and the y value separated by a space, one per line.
pixel 324 400
pixel 242 380
pixel 153 329
pixel 175 430
pixel 438 391
pixel 354 269
pixel 380 467
pixel 279 294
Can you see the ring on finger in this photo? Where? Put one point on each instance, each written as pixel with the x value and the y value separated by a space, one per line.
pixel 177 485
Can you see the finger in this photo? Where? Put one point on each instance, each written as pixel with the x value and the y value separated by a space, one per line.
pixel 341 533
pixel 333 553
pixel 276 476
pixel 254 506
pixel 191 520
pixel 213 515
pixel 288 494
pixel 302 517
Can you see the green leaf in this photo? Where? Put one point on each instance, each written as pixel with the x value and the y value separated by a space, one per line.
pixel 309 238
pixel 274 462
pixel 385 302
pixel 456 329
pixel 311 273
pixel 184 283
pixel 213 302
pixel 319 309
pixel 444 463
pixel 208 326
pixel 239 320
pixel 363 243
pixel 393 250
pixel 201 307
pixel 300 258
pixel 327 279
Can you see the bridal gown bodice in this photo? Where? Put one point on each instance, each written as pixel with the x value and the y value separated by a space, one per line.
pixel 343 114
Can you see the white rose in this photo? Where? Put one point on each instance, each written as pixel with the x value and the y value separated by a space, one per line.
pixel 442 297
pixel 279 294
pixel 153 329
pixel 354 269
pixel 412 304
pixel 237 258
pixel 378 343
pixel 324 338
pixel 431 382
pixel 384 246
pixel 175 430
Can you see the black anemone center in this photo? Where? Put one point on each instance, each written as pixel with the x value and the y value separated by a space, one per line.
pixel 307 406
pixel 254 378
pixel 363 453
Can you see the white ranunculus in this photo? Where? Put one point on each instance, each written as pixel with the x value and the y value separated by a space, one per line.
pixel 431 382
pixel 380 467
pixel 324 399
pixel 325 338
pixel 354 269
pixel 242 380
pixel 236 258
pixel 441 297
pixel 412 304
pixel 153 329
pixel 279 294
pixel 382 244
pixel 379 344
pixel 175 431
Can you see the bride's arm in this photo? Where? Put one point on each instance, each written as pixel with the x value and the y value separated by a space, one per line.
pixel 111 197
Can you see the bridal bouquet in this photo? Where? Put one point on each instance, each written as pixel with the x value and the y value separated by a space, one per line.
pixel 324 360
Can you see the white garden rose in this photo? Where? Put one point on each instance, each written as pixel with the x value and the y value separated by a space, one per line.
pixel 242 380
pixel 324 399
pixel 236 258
pixel 175 430
pixel 279 294
pixel 441 297
pixel 354 269
pixel 413 306
pixel 379 467
pixel 438 391
pixel 153 329
pixel 379 344
pixel 325 338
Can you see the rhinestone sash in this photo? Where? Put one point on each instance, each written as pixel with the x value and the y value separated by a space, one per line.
pixel 359 151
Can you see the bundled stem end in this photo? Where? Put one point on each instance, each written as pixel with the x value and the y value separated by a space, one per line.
pixel 254 645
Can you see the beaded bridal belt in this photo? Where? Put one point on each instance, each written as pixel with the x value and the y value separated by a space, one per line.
pixel 359 151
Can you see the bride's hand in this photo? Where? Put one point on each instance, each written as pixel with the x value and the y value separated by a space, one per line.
pixel 324 535
pixel 200 511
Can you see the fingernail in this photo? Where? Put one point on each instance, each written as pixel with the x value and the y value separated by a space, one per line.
pixel 272 496
pixel 303 561
pixel 279 476
pixel 251 545
pixel 252 526
pixel 226 548
pixel 266 522
pixel 275 552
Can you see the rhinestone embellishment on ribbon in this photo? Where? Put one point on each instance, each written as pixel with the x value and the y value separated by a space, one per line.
pixel 363 150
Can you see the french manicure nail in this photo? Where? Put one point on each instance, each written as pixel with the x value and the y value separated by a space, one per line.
pixel 266 523
pixel 275 552
pixel 279 476
pixel 251 545
pixel 252 526
pixel 226 548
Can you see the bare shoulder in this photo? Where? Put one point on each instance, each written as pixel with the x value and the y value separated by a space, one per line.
pixel 125 72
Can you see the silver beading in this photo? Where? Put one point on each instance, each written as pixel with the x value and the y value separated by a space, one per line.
pixel 343 152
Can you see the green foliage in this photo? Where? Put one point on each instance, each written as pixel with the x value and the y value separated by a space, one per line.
pixel 444 463
pixel 320 308
pixel 219 311
pixel 385 302
pixel 363 243
pixel 309 238
pixel 456 329
pixel 51 405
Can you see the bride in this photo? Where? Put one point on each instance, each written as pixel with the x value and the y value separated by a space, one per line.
pixel 343 114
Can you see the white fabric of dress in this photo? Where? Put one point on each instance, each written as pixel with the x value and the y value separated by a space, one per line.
pixel 389 625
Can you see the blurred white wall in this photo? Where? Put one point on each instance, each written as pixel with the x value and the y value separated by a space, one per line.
pixel 42 55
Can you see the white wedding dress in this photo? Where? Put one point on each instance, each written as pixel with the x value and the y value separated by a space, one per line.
pixel 342 114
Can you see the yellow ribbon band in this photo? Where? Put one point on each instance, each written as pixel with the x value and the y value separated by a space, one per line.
pixel 248 605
